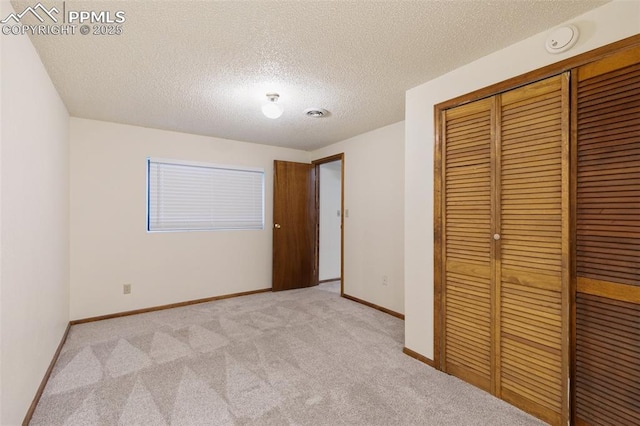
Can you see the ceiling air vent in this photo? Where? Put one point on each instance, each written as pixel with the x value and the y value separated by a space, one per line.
pixel 316 112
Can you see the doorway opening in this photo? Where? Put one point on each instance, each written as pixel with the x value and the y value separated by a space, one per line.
pixel 330 213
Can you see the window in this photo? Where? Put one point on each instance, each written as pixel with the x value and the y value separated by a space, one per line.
pixel 187 196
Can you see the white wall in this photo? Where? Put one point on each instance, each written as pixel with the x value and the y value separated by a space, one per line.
pixel 609 23
pixel 34 223
pixel 109 242
pixel 373 232
pixel 330 212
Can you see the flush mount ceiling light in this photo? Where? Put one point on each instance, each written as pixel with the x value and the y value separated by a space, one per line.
pixel 316 112
pixel 272 109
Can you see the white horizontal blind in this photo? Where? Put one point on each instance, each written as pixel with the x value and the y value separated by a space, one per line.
pixel 184 196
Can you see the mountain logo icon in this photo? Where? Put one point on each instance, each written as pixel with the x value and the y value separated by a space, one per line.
pixel 38 11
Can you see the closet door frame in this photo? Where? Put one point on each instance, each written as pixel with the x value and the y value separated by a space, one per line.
pixel 557 68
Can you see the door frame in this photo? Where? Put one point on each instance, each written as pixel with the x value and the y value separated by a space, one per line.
pixel 317 163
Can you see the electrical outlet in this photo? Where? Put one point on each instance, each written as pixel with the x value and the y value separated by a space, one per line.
pixel 126 289
pixel 385 280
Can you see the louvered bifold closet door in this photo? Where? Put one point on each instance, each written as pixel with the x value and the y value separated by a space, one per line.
pixel 534 225
pixel 607 390
pixel 467 244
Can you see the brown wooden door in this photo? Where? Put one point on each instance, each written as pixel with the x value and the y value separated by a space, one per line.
pixel 294 229
pixel 505 246
pixel 533 248
pixel 607 114
pixel 468 285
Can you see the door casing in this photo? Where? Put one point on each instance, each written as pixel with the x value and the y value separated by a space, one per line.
pixel 317 163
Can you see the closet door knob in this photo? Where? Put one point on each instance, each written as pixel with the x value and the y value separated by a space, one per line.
pixel 496 237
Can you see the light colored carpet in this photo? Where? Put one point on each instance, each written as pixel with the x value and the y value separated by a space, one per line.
pixel 300 357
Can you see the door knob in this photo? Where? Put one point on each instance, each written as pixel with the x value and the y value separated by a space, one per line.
pixel 277 226
pixel 496 237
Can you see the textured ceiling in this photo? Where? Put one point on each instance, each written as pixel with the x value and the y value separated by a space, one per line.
pixel 204 67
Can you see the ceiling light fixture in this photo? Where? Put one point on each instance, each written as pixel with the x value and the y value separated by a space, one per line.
pixel 272 109
pixel 316 112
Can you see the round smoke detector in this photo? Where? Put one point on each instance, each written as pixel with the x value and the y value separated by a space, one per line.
pixel 561 39
pixel 316 112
